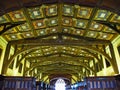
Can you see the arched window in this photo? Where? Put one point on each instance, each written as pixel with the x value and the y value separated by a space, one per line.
pixel 0 52
pixel 107 63
pixel 118 49
pixel 20 68
pixel 60 84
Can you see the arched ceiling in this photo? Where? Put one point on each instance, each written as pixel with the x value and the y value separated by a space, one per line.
pixel 58 28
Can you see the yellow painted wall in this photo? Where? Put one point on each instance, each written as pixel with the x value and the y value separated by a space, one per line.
pixel 3 47
pixel 14 71
pixel 109 71
pixel 10 72
pixel 116 43
pixel 75 79
pixel 106 72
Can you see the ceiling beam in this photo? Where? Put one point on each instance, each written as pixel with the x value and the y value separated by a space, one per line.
pixel 50 42
pixel 6 28
pixel 108 4
pixel 42 58
pixel 110 25
pixel 62 62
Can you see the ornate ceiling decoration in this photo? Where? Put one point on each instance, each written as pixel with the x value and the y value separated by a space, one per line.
pixel 59 22
pixel 60 18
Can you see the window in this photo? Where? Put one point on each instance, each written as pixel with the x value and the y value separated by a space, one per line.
pixel 97 67
pixel 118 49
pixel 20 68
pixel 0 52
pixel 107 63
pixel 60 84
pixel 11 65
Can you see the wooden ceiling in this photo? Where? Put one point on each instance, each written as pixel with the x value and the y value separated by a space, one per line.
pixel 61 33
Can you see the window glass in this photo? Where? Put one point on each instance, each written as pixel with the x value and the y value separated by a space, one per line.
pixel 60 84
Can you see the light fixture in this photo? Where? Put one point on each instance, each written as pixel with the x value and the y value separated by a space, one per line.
pixel 17 16
pixel 96 26
pixel 118 18
pixel 39 24
pixel 91 34
pixel 67 10
pixel 78 31
pixel 28 34
pixel 1 19
pixel 83 13
pixel 64 47
pixel 35 13
pixel 65 29
pixel 13 36
pixel 37 51
pixel 104 36
pixel 54 37
pixel 80 24
pixel 102 15
pixel 53 21
pixel 51 10
pixel 30 55
pixel 66 21
pixel 53 29
pixel 42 32
pixel 73 49
pixel 23 27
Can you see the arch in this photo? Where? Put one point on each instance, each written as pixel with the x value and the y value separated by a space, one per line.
pixel 65 62
pixel 60 84
pixel 84 47
pixel 93 49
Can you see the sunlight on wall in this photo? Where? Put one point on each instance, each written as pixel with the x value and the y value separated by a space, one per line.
pixel 60 84
pixel 3 44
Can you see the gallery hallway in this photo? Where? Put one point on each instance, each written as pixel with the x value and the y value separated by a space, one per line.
pixel 73 41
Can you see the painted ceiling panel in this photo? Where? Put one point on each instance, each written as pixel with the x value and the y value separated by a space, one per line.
pixel 68 10
pixel 3 19
pixel 102 15
pixel 36 12
pixel 96 26
pixel 62 23
pixel 79 23
pixel 45 19
pixel 51 10
pixel 28 34
pixel 115 18
pixel 39 24
pixel 12 37
pixel 24 27
pixel 17 16
pixel 84 12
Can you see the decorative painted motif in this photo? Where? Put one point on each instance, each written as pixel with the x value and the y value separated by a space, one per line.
pixel 17 16
pixel 51 10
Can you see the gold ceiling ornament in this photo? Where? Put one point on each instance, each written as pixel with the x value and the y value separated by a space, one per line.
pixel 72 19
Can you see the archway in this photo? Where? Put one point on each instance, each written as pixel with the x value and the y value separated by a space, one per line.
pixel 60 84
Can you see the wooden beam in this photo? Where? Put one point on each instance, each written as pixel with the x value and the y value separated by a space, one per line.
pixel 50 42
pixel 5 62
pixel 9 27
pixel 114 61
pixel 62 62
pixel 110 25
pixel 42 58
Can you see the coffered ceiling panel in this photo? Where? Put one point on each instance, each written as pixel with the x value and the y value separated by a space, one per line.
pixel 17 16
pixel 3 19
pixel 83 12
pixel 102 15
pixel 56 26
pixel 36 12
pixel 56 18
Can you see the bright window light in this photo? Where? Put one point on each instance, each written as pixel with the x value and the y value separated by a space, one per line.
pixel 60 84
